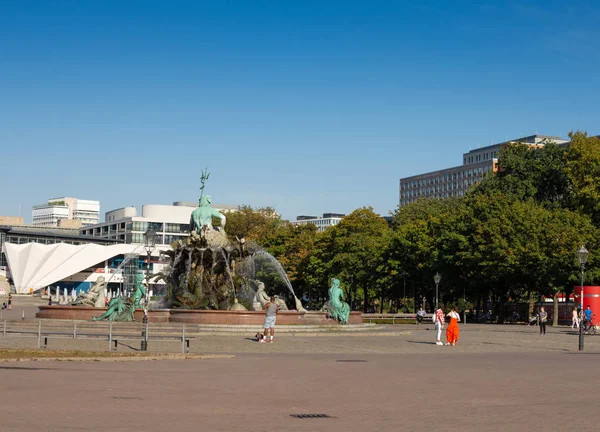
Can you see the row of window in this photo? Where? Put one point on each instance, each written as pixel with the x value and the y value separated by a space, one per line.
pixel 408 200
pixel 25 240
pixel 439 188
pixel 475 172
pixel 480 157
pixel 137 226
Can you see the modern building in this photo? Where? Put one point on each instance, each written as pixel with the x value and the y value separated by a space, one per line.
pixel 171 222
pixel 456 181
pixel 86 212
pixel 322 223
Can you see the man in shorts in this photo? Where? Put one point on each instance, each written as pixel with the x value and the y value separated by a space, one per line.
pixel 271 309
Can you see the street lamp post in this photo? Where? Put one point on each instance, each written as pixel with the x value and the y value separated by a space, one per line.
pixel 582 255
pixel 404 293
pixel 149 245
pixel 437 278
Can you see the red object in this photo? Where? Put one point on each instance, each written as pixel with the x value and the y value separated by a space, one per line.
pixel 591 296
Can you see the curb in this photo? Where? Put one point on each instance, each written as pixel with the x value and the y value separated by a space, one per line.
pixel 123 358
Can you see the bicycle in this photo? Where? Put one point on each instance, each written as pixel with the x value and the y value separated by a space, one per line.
pixel 590 327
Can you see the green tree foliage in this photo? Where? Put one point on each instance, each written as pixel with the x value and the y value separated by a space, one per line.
pixel 513 237
pixel 530 172
pixel 353 251
pixel 252 224
pixel 582 166
pixel 422 244
pixel 293 247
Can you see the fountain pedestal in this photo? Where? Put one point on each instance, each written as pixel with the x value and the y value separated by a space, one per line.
pixel 198 316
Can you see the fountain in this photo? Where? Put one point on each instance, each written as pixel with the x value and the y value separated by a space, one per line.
pixel 209 271
pixel 212 279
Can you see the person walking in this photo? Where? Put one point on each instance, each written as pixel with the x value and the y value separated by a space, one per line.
pixel 9 301
pixel 271 309
pixel 438 320
pixel 453 332
pixel 543 320
pixel 575 320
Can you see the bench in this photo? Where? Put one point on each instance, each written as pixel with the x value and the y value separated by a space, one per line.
pixel 393 317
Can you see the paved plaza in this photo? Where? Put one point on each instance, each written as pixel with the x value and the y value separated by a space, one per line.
pixel 499 378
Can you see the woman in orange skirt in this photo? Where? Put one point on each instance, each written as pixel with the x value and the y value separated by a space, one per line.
pixel 453 332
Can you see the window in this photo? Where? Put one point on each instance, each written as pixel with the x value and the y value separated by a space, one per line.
pixel 139 226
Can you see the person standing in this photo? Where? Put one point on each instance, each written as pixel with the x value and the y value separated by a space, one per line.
pixel 453 332
pixel 543 320
pixel 575 321
pixel 271 309
pixel 587 317
pixel 438 320
pixel 9 301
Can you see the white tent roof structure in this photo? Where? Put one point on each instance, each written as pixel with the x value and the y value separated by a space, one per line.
pixel 33 265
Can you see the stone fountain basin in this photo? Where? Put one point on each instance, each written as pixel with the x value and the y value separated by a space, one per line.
pixel 84 313
pixel 198 316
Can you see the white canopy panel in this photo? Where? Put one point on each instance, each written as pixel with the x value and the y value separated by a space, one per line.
pixel 33 265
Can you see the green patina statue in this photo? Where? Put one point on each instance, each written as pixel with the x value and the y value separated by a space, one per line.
pixel 335 307
pixel 140 290
pixel 120 309
pixel 201 221
pixel 202 216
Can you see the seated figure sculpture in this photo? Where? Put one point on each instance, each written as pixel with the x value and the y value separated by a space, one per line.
pixel 118 310
pixel 335 307
pixel 122 309
pixel 262 298
pixel 94 296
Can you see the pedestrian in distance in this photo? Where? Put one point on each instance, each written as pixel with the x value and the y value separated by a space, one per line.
pixel 271 309
pixel 543 317
pixel 9 301
pixel 587 318
pixel 420 315
pixel 575 320
pixel 453 331
pixel 438 320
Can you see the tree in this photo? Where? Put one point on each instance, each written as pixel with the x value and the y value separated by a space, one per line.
pixel 353 251
pixel 530 172
pixel 293 246
pixel 252 224
pixel 582 166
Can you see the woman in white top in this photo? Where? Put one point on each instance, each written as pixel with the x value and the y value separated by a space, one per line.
pixel 575 323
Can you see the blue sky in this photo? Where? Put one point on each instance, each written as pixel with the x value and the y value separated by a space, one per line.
pixel 306 106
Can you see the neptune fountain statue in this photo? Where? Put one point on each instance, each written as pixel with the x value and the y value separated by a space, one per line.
pixel 207 270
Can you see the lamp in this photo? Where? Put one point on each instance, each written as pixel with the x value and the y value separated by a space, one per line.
pixel 582 256
pixel 437 278
pixel 149 244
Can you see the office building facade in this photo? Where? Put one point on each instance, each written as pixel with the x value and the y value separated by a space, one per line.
pixel 456 181
pixel 83 212
pixel 322 223
pixel 171 222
